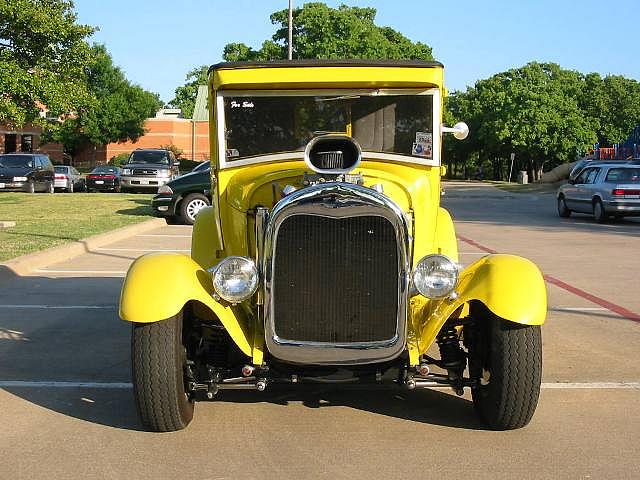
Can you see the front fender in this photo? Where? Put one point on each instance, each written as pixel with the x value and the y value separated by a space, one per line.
pixel 158 285
pixel 512 287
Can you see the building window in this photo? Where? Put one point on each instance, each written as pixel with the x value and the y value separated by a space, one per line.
pixel 27 143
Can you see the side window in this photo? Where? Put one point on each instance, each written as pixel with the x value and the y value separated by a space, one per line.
pixel 37 162
pixel 582 178
pixel 593 174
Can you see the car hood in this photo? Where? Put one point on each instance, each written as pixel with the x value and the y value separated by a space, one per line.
pixel 15 171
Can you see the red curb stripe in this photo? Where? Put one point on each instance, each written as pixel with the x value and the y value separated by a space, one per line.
pixel 612 307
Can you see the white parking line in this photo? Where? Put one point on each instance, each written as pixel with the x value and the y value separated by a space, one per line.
pixel 592 385
pixel 93 272
pixel 140 250
pixel 577 309
pixel 126 385
pixel 63 307
pixel 45 384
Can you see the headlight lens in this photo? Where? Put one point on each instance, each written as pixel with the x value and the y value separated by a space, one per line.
pixel 126 171
pixel 19 179
pixel 435 276
pixel 164 173
pixel 165 190
pixel 235 279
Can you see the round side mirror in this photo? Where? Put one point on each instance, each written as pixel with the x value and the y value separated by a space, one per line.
pixel 460 131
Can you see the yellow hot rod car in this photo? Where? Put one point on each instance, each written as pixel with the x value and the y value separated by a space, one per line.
pixel 326 257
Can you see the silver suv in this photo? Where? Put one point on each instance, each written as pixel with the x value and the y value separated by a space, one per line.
pixel 147 169
pixel 603 190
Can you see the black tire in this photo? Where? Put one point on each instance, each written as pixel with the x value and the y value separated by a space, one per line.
pixel 158 360
pixel 563 210
pixel 511 372
pixel 599 213
pixel 191 205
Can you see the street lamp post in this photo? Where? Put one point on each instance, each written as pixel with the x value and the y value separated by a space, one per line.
pixel 290 30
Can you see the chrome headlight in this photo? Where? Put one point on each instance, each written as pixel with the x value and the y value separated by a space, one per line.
pixel 235 279
pixel 435 276
pixel 19 179
pixel 126 171
pixel 164 173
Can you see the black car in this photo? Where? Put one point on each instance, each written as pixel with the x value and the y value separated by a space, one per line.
pixel 27 172
pixel 104 178
pixel 180 200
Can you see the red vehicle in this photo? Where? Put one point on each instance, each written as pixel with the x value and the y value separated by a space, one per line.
pixel 104 178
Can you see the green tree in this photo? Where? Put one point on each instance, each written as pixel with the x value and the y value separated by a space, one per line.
pixel 323 32
pixel 42 56
pixel 613 103
pixel 118 108
pixel 533 111
pixel 185 95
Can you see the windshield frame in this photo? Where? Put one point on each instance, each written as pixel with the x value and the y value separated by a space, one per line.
pixel 291 156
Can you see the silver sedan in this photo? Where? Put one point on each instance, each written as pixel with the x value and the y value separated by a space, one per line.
pixel 603 190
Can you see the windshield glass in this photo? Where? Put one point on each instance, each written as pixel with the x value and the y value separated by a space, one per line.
pixel 104 170
pixel 61 169
pixel 259 125
pixel 149 157
pixel 16 161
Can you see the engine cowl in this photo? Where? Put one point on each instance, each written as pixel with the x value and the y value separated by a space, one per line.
pixel 332 154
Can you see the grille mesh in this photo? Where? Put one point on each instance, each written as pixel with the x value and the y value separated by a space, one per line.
pixel 335 280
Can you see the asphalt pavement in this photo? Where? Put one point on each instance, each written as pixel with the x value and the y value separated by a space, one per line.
pixel 67 411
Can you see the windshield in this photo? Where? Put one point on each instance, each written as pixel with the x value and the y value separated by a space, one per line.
pixel 61 169
pixel 104 170
pixel 149 157
pixel 259 125
pixel 16 161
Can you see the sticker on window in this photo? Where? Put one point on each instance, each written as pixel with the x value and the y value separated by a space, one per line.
pixel 232 152
pixel 423 146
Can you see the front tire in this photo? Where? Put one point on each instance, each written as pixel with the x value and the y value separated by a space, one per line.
pixel 509 363
pixel 563 210
pixel 158 360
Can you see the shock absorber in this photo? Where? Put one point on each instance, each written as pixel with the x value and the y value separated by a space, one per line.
pixel 453 357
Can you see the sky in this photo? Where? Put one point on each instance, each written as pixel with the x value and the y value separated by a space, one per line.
pixel 157 42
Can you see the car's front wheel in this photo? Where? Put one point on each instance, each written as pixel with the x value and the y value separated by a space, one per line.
pixel 506 358
pixel 563 210
pixel 191 205
pixel 159 359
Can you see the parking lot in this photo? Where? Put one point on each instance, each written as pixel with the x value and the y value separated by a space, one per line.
pixel 68 412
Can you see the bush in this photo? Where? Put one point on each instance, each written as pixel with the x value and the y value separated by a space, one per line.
pixel 172 148
pixel 117 160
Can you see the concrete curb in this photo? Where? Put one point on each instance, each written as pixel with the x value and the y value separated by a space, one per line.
pixel 26 263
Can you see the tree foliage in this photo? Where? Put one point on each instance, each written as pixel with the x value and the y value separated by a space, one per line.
pixel 118 108
pixel 42 57
pixel 323 32
pixel 543 114
pixel 185 95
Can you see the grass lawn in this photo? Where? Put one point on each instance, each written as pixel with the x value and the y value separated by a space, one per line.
pixel 44 220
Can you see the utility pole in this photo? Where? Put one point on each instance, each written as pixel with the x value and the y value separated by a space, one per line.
pixel 290 30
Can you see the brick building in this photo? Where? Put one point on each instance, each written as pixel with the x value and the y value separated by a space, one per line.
pixel 191 135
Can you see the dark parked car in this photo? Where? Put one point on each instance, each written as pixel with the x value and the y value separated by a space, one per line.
pixel 180 200
pixel 104 178
pixel 27 172
pixel 68 178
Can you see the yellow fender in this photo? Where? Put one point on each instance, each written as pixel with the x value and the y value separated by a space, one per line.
pixel 158 285
pixel 510 286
